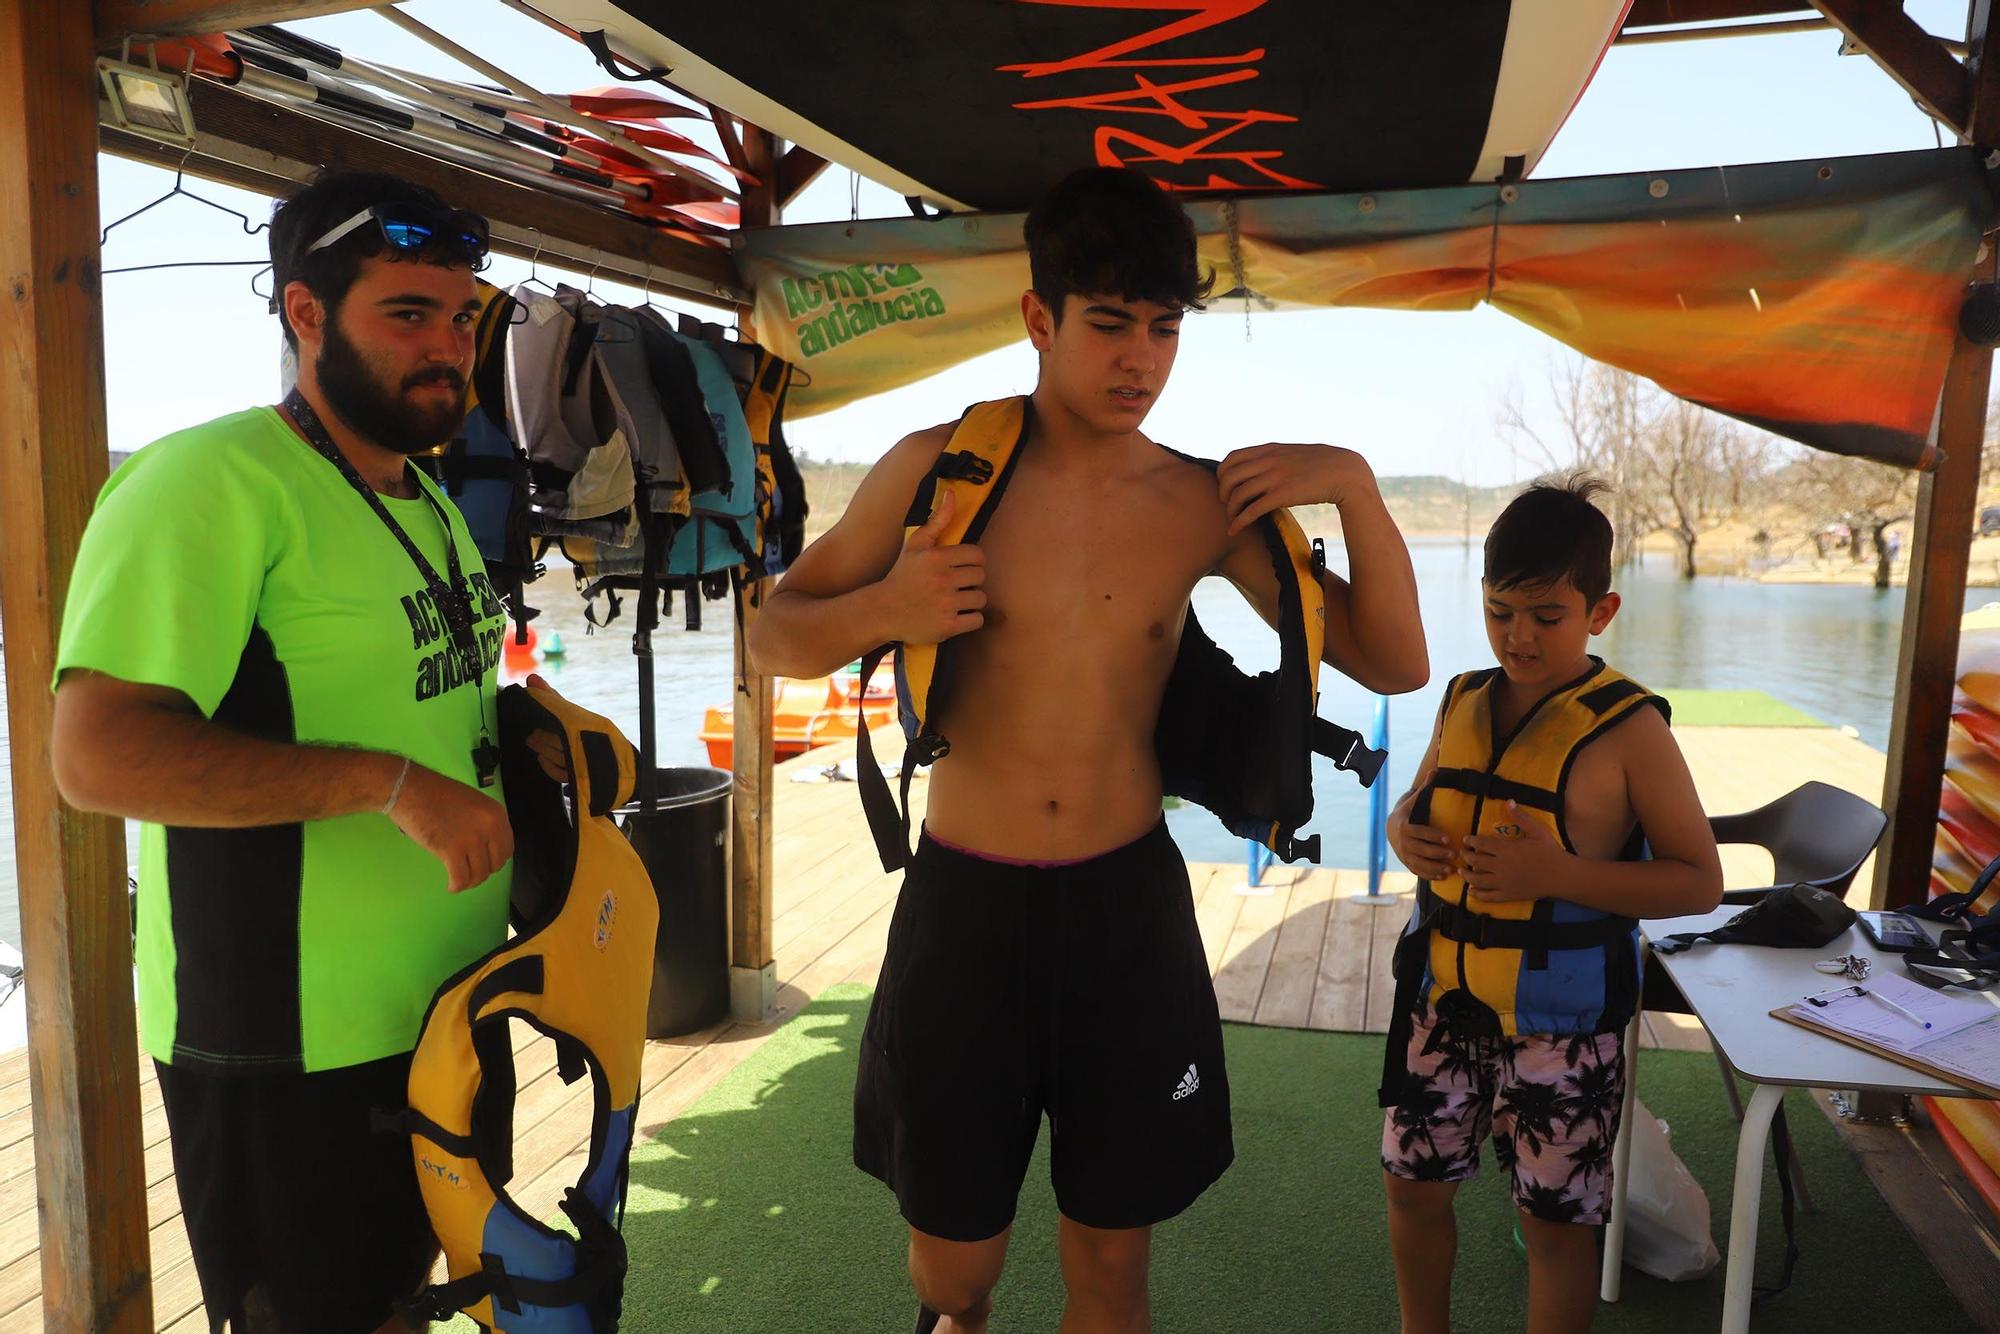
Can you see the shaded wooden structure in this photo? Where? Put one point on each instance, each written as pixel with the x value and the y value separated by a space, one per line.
pixel 1300 951
pixel 86 1091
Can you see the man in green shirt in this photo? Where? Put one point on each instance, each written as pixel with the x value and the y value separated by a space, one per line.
pixel 279 652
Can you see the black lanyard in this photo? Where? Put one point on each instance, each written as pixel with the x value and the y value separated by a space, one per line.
pixel 451 596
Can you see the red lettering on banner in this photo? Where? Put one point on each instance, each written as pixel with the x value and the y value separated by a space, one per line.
pixel 1203 14
pixel 1255 169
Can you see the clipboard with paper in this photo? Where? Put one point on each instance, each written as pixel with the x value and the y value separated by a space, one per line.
pixel 1887 1015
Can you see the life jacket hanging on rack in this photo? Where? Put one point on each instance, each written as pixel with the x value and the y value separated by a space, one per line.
pixel 580 972
pixel 1240 745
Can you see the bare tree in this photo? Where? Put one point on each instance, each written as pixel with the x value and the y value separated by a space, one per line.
pixel 1690 473
pixel 1674 467
pixel 1596 430
pixel 1867 496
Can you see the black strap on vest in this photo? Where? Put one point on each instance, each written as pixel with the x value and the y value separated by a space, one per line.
pixel 1347 750
pixel 601 1263
pixel 1529 935
pixel 1535 937
pixel 888 819
pixel 1492 787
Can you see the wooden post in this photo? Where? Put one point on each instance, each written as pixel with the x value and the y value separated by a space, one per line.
pixel 76 928
pixel 753 968
pixel 1927 665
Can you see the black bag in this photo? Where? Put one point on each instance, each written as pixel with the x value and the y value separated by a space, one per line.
pixel 1803 916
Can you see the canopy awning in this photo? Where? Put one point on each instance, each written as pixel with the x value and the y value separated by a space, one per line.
pixel 1816 299
pixel 985 103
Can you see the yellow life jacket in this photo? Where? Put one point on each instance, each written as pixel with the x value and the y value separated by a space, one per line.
pixel 1536 965
pixel 1239 745
pixel 580 970
pixel 781 493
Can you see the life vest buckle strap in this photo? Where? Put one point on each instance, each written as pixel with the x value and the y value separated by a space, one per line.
pixel 1348 751
pixel 962 465
pixel 499 1286
pixel 1487 932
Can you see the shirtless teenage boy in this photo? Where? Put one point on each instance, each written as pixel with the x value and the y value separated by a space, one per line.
pixel 1043 956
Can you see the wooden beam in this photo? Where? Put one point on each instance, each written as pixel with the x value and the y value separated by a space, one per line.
pixel 1927 664
pixel 115 20
pixel 726 133
pixel 1982 37
pixel 753 972
pixel 797 169
pixel 233 131
pixel 76 926
pixel 1908 54
pixel 1655 13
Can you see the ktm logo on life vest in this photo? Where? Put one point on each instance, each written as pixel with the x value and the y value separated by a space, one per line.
pixel 442 1172
pixel 607 913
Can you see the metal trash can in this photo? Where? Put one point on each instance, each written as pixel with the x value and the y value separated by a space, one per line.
pixel 684 843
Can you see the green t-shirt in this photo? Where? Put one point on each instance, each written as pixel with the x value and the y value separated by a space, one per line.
pixel 233 563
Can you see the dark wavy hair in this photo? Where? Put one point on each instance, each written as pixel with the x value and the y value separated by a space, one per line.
pixel 1552 531
pixel 329 200
pixel 1111 229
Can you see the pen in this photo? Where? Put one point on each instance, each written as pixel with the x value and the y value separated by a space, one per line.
pixel 1884 1000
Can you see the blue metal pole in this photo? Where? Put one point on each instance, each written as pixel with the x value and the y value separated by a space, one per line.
pixel 1378 804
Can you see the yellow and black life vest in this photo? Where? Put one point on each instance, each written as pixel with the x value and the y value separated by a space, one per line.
pixel 1536 965
pixel 781 491
pixel 1239 745
pixel 580 971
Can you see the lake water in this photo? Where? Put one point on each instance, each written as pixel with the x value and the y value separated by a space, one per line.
pixel 1830 651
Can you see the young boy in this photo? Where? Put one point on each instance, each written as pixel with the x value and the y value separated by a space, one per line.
pixel 1043 957
pixel 1519 970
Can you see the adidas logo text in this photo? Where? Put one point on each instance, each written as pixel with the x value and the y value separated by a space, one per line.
pixel 1189 1083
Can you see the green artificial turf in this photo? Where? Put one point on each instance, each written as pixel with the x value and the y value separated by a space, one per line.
pixel 1735 708
pixel 746 1212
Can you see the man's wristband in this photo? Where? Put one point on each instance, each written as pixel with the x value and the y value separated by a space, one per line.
pixel 402 776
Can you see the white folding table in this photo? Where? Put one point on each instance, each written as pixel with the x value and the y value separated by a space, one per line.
pixel 1732 989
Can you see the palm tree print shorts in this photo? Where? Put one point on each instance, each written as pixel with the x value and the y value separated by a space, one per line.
pixel 1550 1103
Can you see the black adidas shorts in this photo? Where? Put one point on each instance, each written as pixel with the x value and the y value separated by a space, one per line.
pixel 297 1208
pixel 1080 990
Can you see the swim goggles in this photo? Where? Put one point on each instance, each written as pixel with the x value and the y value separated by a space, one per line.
pixel 411 227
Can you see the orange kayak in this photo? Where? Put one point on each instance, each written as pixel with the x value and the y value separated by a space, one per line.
pixel 806 713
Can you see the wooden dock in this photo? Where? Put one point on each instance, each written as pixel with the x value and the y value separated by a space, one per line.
pixel 1299 951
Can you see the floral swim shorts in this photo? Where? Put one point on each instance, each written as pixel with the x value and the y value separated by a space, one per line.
pixel 1550 1103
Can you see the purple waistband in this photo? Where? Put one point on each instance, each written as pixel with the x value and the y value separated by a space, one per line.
pixel 998 860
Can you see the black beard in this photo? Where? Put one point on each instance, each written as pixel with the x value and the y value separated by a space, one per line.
pixel 381 417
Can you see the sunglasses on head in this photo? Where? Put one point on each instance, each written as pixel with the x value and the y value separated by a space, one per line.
pixel 411 227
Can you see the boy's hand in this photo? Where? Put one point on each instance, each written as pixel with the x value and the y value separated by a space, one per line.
pixel 1255 481
pixel 935 592
pixel 1501 868
pixel 1424 849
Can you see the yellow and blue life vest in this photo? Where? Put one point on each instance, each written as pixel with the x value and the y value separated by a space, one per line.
pixel 1239 745
pixel 1536 965
pixel 580 971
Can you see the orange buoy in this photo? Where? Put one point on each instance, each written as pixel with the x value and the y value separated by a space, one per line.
pixel 517 651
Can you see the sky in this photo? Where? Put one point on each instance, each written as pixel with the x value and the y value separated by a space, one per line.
pixel 1416 392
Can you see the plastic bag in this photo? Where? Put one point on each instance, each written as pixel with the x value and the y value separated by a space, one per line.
pixel 1667 1224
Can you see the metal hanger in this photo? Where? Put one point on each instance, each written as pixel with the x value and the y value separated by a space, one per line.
pixel 534 278
pixel 249 228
